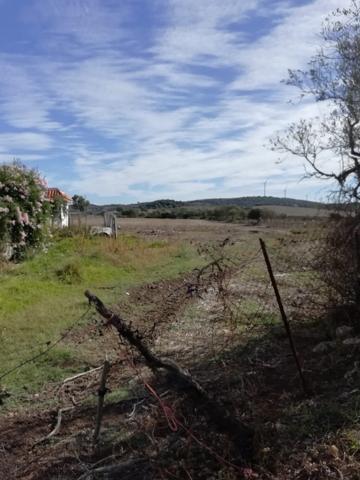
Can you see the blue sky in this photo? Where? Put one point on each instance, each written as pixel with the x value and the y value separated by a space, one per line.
pixel 133 100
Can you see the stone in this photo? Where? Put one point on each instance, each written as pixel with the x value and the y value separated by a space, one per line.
pixel 7 252
pixel 333 451
pixel 351 341
pixel 344 331
pixel 324 347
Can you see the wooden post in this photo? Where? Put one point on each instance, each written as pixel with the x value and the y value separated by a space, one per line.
pixel 101 394
pixel 283 315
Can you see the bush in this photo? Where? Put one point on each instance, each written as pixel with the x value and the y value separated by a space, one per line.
pixel 338 261
pixel 69 274
pixel 254 214
pixel 24 209
pixel 226 213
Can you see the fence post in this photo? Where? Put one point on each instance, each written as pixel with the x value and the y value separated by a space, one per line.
pixel 101 394
pixel 283 315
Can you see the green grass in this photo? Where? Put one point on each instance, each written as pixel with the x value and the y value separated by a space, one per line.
pixel 42 297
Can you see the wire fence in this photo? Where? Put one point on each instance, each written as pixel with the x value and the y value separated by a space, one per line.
pixel 232 288
pixel 204 322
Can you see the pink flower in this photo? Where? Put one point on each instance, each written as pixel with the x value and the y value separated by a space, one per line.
pixel 18 214
pixel 25 218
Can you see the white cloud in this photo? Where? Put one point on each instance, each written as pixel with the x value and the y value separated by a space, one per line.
pixel 23 102
pixel 86 22
pixel 174 120
pixel 289 45
pixel 24 141
pixel 197 31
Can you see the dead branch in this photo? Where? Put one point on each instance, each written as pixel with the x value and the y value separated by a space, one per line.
pixel 56 430
pixel 240 434
pixel 79 375
pixel 120 469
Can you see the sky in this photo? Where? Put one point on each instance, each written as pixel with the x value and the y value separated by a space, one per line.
pixel 136 100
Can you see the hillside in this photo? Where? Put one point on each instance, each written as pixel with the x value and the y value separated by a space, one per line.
pixel 244 202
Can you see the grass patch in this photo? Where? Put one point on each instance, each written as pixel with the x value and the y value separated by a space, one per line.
pixel 42 297
pixel 111 398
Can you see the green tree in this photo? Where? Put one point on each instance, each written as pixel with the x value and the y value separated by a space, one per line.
pixel 80 203
pixel 333 78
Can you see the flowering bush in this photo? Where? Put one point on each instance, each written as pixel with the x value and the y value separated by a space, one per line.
pixel 24 209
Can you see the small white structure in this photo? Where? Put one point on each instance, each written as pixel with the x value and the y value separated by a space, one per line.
pixel 61 219
pixel 110 226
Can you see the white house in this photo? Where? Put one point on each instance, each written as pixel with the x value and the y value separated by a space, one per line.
pixel 61 220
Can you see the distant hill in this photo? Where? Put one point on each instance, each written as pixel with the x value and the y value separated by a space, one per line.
pixel 249 202
pixel 245 202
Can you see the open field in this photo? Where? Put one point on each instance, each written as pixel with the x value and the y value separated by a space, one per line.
pixel 190 229
pixel 194 230
pixel 220 322
pixel 304 212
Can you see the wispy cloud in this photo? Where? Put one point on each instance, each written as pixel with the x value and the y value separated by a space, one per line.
pixel 24 141
pixel 136 100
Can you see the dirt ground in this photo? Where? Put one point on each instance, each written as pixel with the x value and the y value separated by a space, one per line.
pixel 195 230
pixel 162 432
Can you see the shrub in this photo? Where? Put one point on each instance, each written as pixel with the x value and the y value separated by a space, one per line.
pixel 69 273
pixel 226 213
pixel 338 260
pixel 254 214
pixel 24 210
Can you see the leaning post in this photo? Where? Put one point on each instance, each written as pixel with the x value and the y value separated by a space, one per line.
pixel 283 315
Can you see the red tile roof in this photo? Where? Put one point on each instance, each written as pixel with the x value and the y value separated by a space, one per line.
pixel 52 193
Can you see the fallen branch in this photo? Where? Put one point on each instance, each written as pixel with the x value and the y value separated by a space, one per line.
pixel 79 375
pixel 120 469
pixel 57 426
pixel 240 434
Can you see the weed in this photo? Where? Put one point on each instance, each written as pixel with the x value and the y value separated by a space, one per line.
pixel 352 439
pixel 69 273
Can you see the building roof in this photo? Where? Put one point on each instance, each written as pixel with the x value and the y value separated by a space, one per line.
pixel 52 193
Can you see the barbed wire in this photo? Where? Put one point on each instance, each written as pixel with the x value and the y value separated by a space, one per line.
pixel 50 347
pixel 247 298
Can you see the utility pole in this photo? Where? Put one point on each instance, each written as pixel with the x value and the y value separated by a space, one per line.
pixel 265 188
pixel 285 192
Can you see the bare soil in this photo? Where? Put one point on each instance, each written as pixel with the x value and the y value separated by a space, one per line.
pixel 165 436
pixel 193 230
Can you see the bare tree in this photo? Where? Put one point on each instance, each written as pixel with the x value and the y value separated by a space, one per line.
pixel 333 78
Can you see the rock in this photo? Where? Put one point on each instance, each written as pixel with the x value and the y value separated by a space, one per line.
pixel 324 347
pixel 333 451
pixel 352 373
pixel 351 341
pixel 344 331
pixel 7 252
